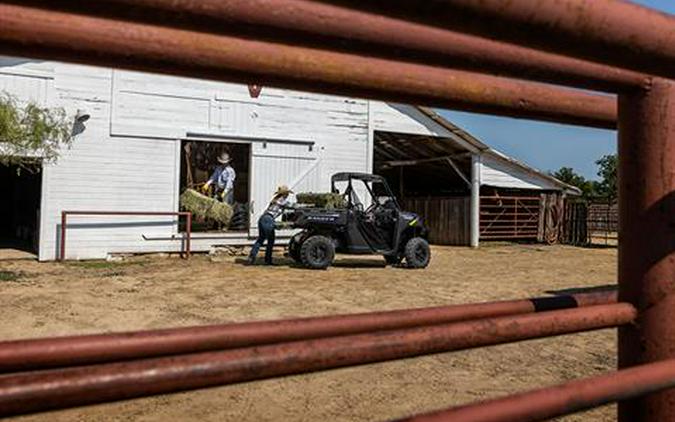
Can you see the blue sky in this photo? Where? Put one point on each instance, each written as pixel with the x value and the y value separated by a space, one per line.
pixel 544 145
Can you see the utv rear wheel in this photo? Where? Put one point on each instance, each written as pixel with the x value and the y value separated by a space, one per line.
pixel 417 253
pixel 317 252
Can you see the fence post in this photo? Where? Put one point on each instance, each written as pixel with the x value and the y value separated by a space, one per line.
pixel 188 239
pixel 647 238
pixel 474 220
pixel 62 251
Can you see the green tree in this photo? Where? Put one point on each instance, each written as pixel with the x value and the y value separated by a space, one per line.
pixel 30 134
pixel 607 186
pixel 569 176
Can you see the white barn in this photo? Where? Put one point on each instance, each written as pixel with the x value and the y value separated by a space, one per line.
pixel 129 155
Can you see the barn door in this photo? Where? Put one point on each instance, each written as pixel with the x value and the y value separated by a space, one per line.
pixel 273 164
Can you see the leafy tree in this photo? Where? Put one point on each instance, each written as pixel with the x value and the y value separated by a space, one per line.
pixel 607 187
pixel 569 176
pixel 30 134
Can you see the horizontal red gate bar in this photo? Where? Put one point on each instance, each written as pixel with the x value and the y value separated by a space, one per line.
pixel 121 44
pixel 57 389
pixel 564 399
pixel 34 354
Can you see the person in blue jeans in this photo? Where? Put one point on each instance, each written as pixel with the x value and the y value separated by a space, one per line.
pixel 266 225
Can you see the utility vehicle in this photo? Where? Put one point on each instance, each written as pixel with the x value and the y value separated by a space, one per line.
pixel 369 222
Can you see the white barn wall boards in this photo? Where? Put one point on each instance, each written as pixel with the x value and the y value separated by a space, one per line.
pixel 131 154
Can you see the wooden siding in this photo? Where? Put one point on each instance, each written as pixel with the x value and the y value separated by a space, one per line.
pixel 575 226
pixel 446 218
pixel 128 158
pixel 497 172
pixel 280 164
pixel 169 107
pixel 100 172
pixel 400 118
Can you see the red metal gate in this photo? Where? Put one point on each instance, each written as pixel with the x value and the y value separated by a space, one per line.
pixel 509 217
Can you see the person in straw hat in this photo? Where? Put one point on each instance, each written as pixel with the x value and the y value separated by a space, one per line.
pixel 223 178
pixel 266 224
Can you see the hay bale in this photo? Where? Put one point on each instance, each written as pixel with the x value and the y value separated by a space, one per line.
pixel 322 200
pixel 203 206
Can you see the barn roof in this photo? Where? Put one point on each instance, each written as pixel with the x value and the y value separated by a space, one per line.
pixel 485 149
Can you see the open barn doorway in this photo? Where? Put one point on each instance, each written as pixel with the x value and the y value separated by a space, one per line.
pixel 431 176
pixel 199 159
pixel 21 190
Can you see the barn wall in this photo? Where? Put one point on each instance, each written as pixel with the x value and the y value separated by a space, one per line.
pixel 27 80
pixel 169 107
pixel 101 172
pixel 128 158
pixel 281 125
pixel 408 119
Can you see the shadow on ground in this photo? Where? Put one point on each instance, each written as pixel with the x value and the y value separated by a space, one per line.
pixel 339 263
pixel 576 290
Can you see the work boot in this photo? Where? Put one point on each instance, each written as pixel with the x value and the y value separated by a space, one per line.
pixel 250 261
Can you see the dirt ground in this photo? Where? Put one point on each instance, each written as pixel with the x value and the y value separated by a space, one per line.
pixel 47 299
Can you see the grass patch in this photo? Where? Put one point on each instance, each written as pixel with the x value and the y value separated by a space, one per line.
pixel 10 276
pixel 103 265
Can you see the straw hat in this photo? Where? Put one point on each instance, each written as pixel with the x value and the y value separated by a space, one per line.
pixel 283 190
pixel 224 158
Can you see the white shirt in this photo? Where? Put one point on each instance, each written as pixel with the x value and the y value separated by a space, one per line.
pixel 276 207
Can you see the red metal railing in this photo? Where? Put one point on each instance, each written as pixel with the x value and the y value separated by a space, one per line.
pixel 23 355
pixel 213 56
pixel 560 400
pixel 59 388
pixel 351 47
pixel 185 250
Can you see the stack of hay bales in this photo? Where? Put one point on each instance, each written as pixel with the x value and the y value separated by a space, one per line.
pixel 205 207
pixel 322 200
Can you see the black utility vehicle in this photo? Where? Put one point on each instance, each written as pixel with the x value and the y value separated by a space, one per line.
pixel 371 222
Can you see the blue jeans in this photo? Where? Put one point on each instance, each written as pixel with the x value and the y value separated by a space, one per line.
pixel 265 233
pixel 228 199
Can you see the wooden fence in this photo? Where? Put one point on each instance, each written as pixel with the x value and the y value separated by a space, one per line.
pixel 448 219
pixel 575 227
pixel 591 222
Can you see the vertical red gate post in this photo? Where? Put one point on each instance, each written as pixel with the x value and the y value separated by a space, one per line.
pixel 647 238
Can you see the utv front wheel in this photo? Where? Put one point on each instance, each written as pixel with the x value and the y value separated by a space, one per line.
pixel 417 253
pixel 317 252
pixel 393 259
pixel 294 250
